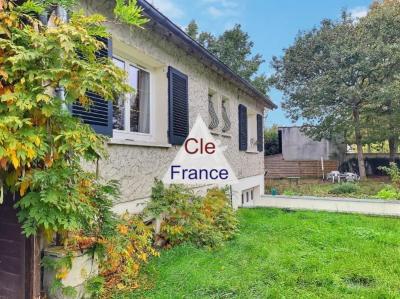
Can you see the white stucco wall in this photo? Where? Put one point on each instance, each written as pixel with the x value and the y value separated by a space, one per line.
pixel 135 164
pixel 297 146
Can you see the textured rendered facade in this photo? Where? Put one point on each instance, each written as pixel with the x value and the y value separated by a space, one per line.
pixel 135 160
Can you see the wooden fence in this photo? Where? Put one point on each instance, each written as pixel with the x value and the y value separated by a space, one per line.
pixel 276 167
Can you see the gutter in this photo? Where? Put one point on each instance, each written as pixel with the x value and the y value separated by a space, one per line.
pixel 202 53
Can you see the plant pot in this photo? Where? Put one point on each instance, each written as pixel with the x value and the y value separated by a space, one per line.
pixel 83 267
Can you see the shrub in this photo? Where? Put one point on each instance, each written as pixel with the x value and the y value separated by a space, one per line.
pixel 344 188
pixel 123 250
pixel 123 245
pixel 388 192
pixel 203 221
pixel 394 172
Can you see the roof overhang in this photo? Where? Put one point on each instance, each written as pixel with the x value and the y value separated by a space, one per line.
pixel 164 26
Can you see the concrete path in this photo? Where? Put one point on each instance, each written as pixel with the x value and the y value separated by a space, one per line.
pixel 331 204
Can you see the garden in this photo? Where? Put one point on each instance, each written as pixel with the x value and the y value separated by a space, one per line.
pixel 279 253
pixel 384 187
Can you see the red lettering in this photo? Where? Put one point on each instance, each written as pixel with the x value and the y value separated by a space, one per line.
pixel 199 147
pixel 210 148
pixel 187 147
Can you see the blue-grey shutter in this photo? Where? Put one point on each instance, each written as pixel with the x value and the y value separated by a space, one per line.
pixel 242 128
pixel 178 107
pixel 260 142
pixel 100 113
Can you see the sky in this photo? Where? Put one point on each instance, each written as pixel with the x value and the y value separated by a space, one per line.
pixel 271 24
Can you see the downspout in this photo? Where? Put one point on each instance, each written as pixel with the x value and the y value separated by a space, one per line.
pixel 62 14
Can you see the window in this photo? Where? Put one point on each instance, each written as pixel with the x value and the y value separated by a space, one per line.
pixel 212 112
pixel 252 194
pixel 242 199
pixel 131 112
pixel 252 131
pixel 225 115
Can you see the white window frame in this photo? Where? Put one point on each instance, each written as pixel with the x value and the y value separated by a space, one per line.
pixel 251 131
pixel 137 136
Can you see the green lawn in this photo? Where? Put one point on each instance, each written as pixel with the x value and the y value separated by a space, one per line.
pixel 282 254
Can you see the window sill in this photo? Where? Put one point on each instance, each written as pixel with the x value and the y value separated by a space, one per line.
pixel 115 141
pixel 226 135
pixel 250 151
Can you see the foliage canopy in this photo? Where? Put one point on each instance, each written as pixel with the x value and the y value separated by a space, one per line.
pixel 41 144
pixel 341 78
pixel 234 48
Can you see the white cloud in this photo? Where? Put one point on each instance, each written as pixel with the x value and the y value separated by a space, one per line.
pixel 358 12
pixel 168 7
pixel 223 3
pixel 221 8
pixel 215 12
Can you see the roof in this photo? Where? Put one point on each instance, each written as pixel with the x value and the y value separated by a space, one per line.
pixel 166 27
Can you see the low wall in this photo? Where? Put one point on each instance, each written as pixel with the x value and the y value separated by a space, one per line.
pixel 344 205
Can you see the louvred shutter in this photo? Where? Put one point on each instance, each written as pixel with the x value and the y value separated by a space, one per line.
pixel 242 128
pixel 178 107
pixel 260 140
pixel 100 113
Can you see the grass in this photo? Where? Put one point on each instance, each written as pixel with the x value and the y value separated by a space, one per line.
pixel 284 254
pixel 364 189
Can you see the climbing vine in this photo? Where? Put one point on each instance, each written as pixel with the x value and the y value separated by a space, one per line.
pixel 41 144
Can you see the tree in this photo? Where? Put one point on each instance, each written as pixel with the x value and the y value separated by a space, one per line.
pixel 234 48
pixel 206 39
pixel 327 77
pixel 192 29
pixel 271 140
pixel 380 29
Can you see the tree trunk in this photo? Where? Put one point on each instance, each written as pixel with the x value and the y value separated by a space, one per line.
pixel 360 154
pixel 392 148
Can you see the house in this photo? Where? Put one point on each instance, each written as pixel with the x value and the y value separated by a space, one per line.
pixel 176 79
pixel 299 155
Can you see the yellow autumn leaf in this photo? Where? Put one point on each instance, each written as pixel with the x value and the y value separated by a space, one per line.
pixel 24 186
pixel 123 229
pixel 14 160
pixel 143 257
pixel 62 273
pixel 135 267
pixel 48 235
pixel 37 140
pixel 43 98
pixel 30 153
